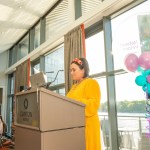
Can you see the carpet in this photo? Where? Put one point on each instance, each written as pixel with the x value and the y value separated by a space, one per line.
pixel 4 148
pixel 7 145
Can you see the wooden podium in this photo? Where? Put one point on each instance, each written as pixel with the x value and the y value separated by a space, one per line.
pixel 48 121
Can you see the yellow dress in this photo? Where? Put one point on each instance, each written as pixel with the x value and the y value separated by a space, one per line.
pixel 88 92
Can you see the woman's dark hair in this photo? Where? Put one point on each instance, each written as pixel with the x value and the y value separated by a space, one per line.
pixel 83 64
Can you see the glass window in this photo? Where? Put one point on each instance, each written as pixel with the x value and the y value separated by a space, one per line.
pixel 131 106
pixel 95 53
pixel 103 89
pixel 10 57
pixel 23 47
pixel 103 112
pixel 10 104
pixel 35 66
pixel 14 54
pixel 125 85
pixel 131 33
pixel 54 66
pixel 12 85
pixel 62 91
pixel 37 36
pixel 57 19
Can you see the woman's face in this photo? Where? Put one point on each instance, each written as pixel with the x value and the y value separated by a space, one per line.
pixel 76 73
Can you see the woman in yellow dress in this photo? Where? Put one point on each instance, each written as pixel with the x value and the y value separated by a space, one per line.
pixel 87 91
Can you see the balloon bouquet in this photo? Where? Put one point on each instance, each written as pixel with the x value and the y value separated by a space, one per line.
pixel 141 64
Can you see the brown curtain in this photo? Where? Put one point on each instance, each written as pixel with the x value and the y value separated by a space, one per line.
pixel 22 75
pixel 74 46
pixel 22 78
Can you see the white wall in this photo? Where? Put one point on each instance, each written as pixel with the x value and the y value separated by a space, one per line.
pixel 3 80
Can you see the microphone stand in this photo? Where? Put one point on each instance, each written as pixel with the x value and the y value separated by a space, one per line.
pixel 48 83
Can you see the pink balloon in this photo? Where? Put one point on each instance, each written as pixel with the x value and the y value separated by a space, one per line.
pixel 148 78
pixel 144 60
pixel 131 62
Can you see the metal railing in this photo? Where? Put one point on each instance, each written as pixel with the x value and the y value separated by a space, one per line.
pixel 130 130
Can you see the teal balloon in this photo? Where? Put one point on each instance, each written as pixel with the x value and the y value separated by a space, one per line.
pixel 140 80
pixel 144 87
pixel 146 72
pixel 140 70
pixel 148 88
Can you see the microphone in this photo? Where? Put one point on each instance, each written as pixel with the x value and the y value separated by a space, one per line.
pixel 50 72
pixel 48 83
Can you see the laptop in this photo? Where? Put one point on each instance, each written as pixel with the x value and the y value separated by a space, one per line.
pixel 38 79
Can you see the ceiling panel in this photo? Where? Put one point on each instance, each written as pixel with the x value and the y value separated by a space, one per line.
pixel 18 17
pixel 23 17
pixel 6 12
pixel 88 5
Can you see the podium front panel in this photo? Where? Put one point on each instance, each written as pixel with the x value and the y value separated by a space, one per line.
pixel 27 109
